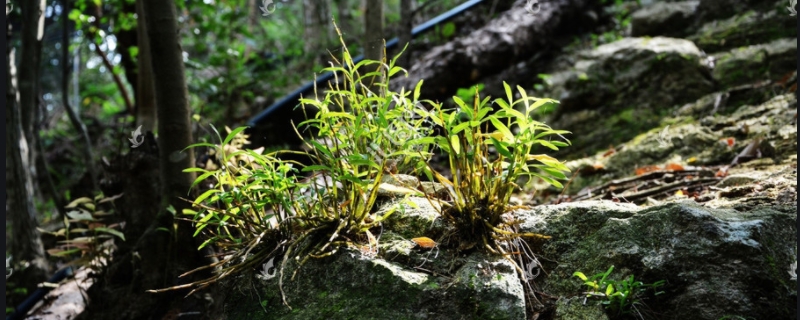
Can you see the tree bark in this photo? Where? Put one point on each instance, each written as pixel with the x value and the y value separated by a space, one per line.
pixel 317 30
pixel 515 35
pixel 406 27
pixel 30 56
pixel 373 39
pixel 145 93
pixel 26 246
pixel 174 130
pixel 344 20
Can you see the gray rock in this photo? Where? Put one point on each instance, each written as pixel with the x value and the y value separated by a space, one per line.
pixel 716 262
pixel 349 285
pixel 663 19
pixel 574 309
pixel 745 29
pixel 750 64
pixel 617 90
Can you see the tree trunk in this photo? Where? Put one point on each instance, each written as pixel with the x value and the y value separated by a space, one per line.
pixel 26 246
pixel 317 30
pixel 30 56
pixel 406 26
pixel 344 19
pixel 145 95
pixel 515 35
pixel 174 128
pixel 373 39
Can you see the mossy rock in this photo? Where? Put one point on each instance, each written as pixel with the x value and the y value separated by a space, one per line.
pixel 349 285
pixel 745 29
pixel 706 255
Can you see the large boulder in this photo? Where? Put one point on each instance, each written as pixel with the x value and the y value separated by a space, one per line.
pixel 620 89
pixel 744 29
pixel 663 19
pixel 716 261
pixel 746 65
pixel 354 285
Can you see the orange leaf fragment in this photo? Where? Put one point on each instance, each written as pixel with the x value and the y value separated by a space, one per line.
pixel 424 242
pixel 729 141
pixel 610 151
pixel 674 167
pixel 646 169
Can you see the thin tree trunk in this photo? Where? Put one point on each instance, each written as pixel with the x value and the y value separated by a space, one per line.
pixel 27 244
pixel 145 95
pixel 344 20
pixel 174 127
pixel 373 39
pixel 74 117
pixel 30 56
pixel 317 31
pixel 407 25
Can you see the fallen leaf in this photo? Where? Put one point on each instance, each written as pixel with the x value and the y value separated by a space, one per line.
pixel 674 167
pixel 424 242
pixel 729 141
pixel 646 169
pixel 610 151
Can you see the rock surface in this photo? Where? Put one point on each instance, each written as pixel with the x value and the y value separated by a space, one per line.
pixel 716 262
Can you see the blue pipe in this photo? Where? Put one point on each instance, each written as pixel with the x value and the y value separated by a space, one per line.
pixel 25 306
pixel 308 87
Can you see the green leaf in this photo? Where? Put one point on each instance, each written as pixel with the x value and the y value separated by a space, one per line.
pixel 233 134
pixel 580 275
pixel 501 148
pixel 201 178
pixel 507 135
pixel 205 195
pixel 455 143
pixel 346 115
pixel 509 95
pixel 110 231
pixel 417 90
pixel 316 167
pixel 75 203
pixel 548 144
pixel 610 290
pixel 460 127
pixel 201 144
pixel 81 215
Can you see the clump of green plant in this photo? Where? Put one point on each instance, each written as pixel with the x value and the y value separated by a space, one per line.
pixel 88 235
pixel 360 132
pixel 620 297
pixel 257 204
pixel 488 154
pixel 486 164
pixel 243 206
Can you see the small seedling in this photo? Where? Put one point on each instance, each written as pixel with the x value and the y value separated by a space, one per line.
pixel 619 297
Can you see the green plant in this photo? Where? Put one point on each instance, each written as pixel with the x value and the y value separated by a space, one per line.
pixel 359 135
pixel 482 181
pixel 257 204
pixel 621 297
pixel 87 233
